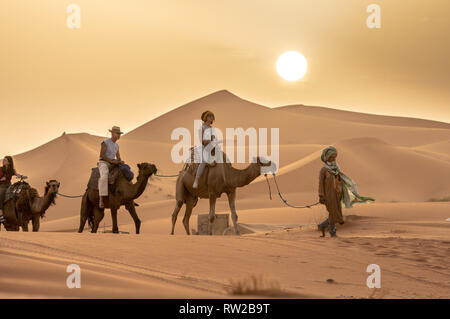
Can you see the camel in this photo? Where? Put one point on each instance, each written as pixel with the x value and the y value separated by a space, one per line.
pixel 216 179
pixel 29 206
pixel 125 194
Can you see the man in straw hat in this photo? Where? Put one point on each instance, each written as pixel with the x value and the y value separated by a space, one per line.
pixel 334 187
pixel 109 156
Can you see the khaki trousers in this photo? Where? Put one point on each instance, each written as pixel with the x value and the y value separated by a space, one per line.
pixel 103 168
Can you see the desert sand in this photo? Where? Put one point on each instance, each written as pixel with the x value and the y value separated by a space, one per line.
pixel 402 162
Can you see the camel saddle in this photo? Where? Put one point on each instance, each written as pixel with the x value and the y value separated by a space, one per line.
pixel 114 173
pixel 191 166
pixel 15 189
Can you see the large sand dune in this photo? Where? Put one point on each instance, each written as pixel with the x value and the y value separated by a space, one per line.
pixel 410 246
pixel 402 162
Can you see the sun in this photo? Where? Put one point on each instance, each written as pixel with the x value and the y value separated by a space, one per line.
pixel 292 66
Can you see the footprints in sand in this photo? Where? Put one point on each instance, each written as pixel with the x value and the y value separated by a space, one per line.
pixel 388 252
pixel 431 254
pixel 428 253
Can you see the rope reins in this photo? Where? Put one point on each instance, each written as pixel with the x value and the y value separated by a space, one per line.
pixel 265 175
pixel 268 185
pixel 159 175
pixel 281 196
pixel 68 196
pixel 79 196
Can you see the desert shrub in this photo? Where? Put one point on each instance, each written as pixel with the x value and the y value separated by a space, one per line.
pixel 443 199
pixel 255 285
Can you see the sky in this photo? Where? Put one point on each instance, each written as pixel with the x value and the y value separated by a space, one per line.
pixel 131 61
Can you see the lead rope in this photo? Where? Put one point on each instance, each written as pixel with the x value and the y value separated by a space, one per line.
pixel 69 196
pixel 268 184
pixel 284 200
pixel 166 175
pixel 79 196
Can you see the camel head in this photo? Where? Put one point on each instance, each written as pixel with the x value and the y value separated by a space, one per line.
pixel 146 169
pixel 261 161
pixel 52 187
pixel 265 166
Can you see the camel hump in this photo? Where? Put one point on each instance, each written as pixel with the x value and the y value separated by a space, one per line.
pixel 25 198
pixel 95 175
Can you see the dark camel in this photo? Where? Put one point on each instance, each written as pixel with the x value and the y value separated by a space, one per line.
pixel 29 207
pixel 218 178
pixel 125 194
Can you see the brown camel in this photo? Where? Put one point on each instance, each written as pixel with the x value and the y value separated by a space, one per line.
pixel 216 179
pixel 29 206
pixel 125 194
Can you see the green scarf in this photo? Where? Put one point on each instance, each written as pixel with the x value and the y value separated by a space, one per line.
pixel 348 185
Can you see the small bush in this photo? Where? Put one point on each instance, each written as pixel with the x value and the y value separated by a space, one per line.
pixel 256 286
pixel 443 199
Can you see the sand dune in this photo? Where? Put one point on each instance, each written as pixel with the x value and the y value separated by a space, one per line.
pixel 387 172
pixel 402 162
pixel 349 116
pixel 410 245
pixel 232 111
pixel 440 150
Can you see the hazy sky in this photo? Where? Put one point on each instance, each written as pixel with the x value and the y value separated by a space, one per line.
pixel 133 60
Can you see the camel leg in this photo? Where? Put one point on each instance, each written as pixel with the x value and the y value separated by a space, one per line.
pixel 212 211
pixel 84 212
pixel 20 218
pixel 36 223
pixel 25 223
pixel 234 217
pixel 98 216
pixel 175 214
pixel 115 228
pixel 180 198
pixel 83 220
pixel 11 227
pixel 137 222
pixel 187 215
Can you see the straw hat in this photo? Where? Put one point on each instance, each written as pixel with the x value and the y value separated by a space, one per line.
pixel 116 129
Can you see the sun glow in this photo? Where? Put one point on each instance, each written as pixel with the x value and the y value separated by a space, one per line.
pixel 292 66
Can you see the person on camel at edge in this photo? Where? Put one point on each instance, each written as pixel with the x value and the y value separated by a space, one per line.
pixel 7 171
pixel 109 156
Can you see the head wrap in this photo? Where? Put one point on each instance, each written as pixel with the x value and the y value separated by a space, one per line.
pixel 206 114
pixel 327 152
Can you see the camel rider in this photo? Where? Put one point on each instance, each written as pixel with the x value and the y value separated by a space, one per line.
pixel 207 135
pixel 109 156
pixel 7 171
